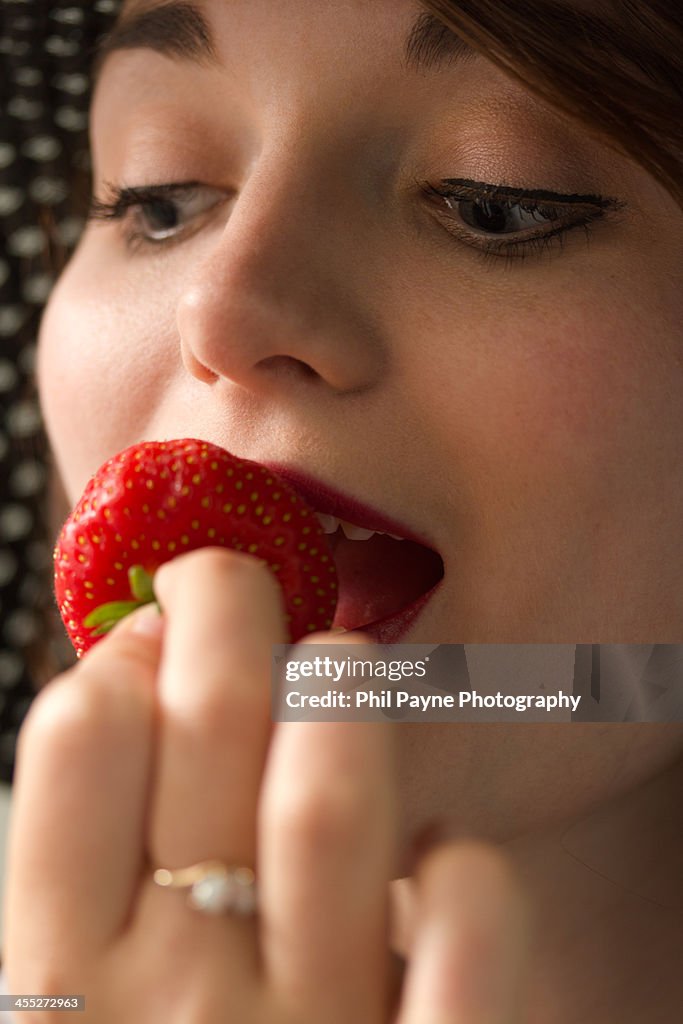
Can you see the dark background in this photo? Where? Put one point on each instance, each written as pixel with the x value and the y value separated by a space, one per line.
pixel 46 50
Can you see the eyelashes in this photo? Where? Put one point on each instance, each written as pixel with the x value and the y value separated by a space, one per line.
pixel 497 221
pixel 157 215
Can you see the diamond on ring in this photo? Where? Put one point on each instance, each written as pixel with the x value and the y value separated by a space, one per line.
pixel 214 887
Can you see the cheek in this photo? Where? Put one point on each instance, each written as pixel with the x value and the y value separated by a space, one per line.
pixel 549 403
pixel 557 402
pixel 102 370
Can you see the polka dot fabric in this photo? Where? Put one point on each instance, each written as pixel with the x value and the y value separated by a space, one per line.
pixel 46 50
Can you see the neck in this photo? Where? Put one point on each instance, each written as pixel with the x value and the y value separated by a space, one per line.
pixel 606 897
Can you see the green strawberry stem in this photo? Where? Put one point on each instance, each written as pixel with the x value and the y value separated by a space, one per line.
pixel 141 584
pixel 106 616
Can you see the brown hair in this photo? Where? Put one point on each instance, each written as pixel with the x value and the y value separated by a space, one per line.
pixel 620 74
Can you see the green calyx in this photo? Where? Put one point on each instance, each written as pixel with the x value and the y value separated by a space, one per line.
pixel 106 616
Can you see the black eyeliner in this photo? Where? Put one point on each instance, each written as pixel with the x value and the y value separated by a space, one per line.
pixel 540 195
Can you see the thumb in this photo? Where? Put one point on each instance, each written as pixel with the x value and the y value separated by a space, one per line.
pixel 470 944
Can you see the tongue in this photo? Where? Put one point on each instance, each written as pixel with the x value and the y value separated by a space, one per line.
pixel 379 577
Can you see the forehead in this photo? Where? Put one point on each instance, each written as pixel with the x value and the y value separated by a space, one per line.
pixel 211 33
pixel 190 28
pixel 605 9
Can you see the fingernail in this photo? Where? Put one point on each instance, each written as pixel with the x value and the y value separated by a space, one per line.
pixel 147 621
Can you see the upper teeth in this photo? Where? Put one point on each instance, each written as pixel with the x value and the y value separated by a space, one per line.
pixel 331 524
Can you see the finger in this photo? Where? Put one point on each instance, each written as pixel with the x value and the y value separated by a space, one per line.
pixel 327 836
pixel 469 949
pixel 223 612
pixel 77 832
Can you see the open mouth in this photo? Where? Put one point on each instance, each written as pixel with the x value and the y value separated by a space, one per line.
pixel 387 574
pixel 385 582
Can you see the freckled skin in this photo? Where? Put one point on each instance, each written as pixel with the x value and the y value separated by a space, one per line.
pixel 524 417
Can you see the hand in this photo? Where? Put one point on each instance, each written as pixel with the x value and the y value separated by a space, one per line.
pixel 160 750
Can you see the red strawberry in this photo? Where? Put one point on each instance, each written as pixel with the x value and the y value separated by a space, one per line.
pixel 156 500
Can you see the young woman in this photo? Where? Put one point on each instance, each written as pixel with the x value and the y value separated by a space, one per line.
pixel 427 256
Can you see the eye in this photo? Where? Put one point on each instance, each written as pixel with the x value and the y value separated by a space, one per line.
pixel 161 218
pixel 500 218
pixel 157 214
pixel 502 221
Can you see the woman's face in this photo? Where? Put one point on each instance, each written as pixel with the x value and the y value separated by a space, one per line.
pixel 502 379
pixel 515 401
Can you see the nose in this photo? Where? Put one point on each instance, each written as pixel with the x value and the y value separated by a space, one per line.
pixel 279 299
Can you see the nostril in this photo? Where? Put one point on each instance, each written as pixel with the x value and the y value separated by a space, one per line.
pixel 287 366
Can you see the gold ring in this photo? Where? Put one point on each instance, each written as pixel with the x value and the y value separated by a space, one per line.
pixel 214 887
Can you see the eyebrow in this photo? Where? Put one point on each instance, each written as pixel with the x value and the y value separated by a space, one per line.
pixel 179 30
pixel 175 29
pixel 431 45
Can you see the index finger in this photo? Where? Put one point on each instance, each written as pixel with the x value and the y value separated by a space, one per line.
pixel 223 611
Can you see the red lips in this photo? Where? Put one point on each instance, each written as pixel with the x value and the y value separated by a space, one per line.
pixel 384 584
